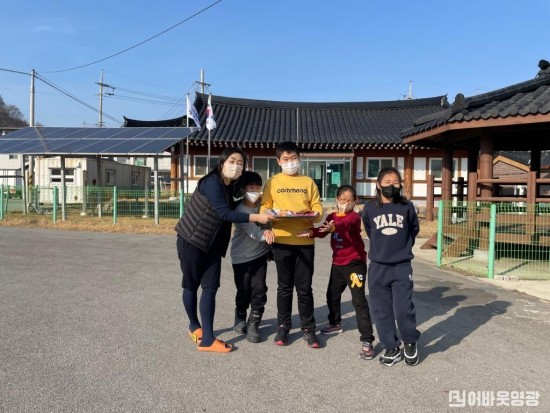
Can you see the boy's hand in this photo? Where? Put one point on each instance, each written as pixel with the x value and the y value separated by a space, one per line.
pixel 269 236
pixel 305 234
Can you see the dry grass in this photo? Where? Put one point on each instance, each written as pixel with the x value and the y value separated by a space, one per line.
pixel 95 224
pixel 128 225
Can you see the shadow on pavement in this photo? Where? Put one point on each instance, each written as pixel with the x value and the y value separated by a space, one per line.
pixel 452 330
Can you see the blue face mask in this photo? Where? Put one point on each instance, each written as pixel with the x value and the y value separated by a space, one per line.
pixel 390 191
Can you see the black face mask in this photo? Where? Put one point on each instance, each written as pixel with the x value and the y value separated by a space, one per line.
pixel 390 191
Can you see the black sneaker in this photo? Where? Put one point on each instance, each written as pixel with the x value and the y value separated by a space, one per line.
pixel 311 338
pixel 331 329
pixel 390 356
pixel 367 351
pixel 281 338
pixel 411 354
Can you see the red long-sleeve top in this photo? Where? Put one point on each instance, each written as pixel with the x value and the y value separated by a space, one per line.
pixel 346 242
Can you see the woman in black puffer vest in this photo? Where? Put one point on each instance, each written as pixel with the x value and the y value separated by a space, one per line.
pixel 204 232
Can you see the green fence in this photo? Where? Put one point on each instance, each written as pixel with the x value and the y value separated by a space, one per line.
pixel 509 239
pixel 104 202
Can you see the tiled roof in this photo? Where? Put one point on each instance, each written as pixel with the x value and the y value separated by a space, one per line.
pixel 166 123
pixel 531 97
pixel 524 157
pixel 336 125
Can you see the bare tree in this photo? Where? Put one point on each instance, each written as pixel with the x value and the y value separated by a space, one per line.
pixel 11 116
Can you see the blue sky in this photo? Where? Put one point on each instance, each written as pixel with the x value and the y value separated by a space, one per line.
pixel 301 50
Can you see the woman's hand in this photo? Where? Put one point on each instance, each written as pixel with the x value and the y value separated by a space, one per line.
pixel 305 234
pixel 261 218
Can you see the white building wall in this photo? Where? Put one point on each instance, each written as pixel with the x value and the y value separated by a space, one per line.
pixel 9 167
pixel 419 173
pixel 85 172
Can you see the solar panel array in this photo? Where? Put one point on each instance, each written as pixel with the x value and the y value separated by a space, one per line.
pixel 91 141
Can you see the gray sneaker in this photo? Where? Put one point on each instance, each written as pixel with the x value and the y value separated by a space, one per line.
pixel 367 351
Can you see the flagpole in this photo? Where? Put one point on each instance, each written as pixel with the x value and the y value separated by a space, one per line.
pixel 208 157
pixel 191 112
pixel 188 166
pixel 185 184
pixel 210 124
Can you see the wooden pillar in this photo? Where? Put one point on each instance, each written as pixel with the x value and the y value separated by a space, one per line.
pixel 473 158
pixel 534 164
pixel 486 163
pixel 532 189
pixel 173 175
pixel 531 200
pixel 447 172
pixel 447 181
pixel 472 186
pixel 471 209
pixel 430 198
pixel 408 178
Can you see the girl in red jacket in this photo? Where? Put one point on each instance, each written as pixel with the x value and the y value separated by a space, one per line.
pixel 349 267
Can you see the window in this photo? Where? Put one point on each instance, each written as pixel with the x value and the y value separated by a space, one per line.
pixel 375 164
pixel 436 164
pixel 55 175
pixel 139 161
pixel 13 156
pixel 110 177
pixel 266 167
pixel 200 165
pixel 135 179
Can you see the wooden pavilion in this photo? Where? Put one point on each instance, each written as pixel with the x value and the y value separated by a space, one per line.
pixel 514 118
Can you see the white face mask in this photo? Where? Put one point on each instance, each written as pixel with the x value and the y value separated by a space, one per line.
pixel 232 171
pixel 252 196
pixel 290 168
pixel 345 207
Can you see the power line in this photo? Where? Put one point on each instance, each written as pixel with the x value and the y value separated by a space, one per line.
pixel 150 95
pixel 15 71
pixel 139 44
pixel 142 100
pixel 178 105
pixel 75 98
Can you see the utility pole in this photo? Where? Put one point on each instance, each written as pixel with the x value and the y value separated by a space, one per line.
pixel 410 97
pixel 201 83
pixel 31 109
pixel 101 93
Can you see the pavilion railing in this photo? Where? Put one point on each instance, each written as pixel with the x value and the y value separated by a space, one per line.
pixel 534 190
pixel 495 240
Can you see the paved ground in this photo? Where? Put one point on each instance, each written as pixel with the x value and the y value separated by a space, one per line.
pixel 93 322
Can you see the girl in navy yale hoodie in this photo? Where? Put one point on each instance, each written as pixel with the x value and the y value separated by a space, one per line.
pixel 392 225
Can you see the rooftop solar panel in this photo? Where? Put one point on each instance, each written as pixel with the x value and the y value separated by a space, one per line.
pixel 104 141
